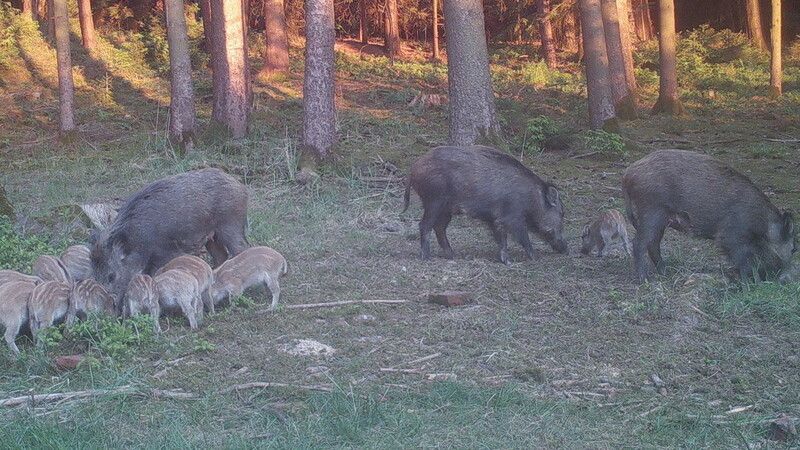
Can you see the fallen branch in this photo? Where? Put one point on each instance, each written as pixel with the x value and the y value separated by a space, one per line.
pixel 584 155
pixel 403 371
pixel 62 396
pixel 339 303
pixel 424 358
pixel 265 384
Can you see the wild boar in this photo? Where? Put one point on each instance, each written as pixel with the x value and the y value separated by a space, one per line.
pixel 201 271
pixel 488 185
pixel 141 296
pixel 7 276
pixel 169 217
pixel 256 265
pixel 699 194
pixel 610 225
pixel 77 259
pixel 14 297
pixel 50 268
pixel 90 296
pixel 178 290
pixel 49 305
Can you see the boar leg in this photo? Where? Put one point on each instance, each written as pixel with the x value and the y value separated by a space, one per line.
pixel 10 336
pixel 232 239
pixel 217 251
pixel 275 289
pixel 187 307
pixel 648 237
pixel 521 234
pixel 429 218
pixel 440 228
pixel 625 244
pixel 501 237
pixel 155 312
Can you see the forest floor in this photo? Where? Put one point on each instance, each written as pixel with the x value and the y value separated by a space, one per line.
pixel 565 352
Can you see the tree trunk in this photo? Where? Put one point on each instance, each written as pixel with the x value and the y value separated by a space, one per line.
pixel 623 14
pixel 546 33
pixel 668 99
pixel 66 87
pixel 181 107
pixel 775 76
pixel 570 27
pixel 598 82
pixel 276 52
pixel 754 28
pixel 435 7
pixel 473 115
pixel 87 24
pixel 392 32
pixel 642 20
pixel 231 70
pixel 205 13
pixel 27 8
pixel 621 97
pixel 363 22
pixel 51 22
pixel 319 107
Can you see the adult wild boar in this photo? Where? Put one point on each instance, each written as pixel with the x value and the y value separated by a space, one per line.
pixel 169 217
pixel 699 194
pixel 490 186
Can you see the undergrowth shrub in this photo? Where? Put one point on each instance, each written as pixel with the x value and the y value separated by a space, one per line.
pixel 112 337
pixel 17 252
pixel 537 132
pixel 154 37
pixel 12 25
pixel 604 142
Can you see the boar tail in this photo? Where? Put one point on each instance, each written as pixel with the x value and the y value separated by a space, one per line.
pixel 631 217
pixel 407 196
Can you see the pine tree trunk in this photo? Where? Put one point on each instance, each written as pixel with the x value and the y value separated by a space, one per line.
pixel 625 33
pixel 571 38
pixel 392 32
pixel 205 13
pixel 27 8
pixel 775 78
pixel 276 53
pixel 87 24
pixel 66 87
pixel 231 70
pixel 363 21
pixel 642 20
pixel 754 27
pixel 473 115
pixel 181 107
pixel 546 33
pixel 598 82
pixel 621 97
pixel 51 22
pixel 668 98
pixel 319 108
pixel 435 7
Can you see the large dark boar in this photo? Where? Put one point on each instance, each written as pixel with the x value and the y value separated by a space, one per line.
pixel 696 193
pixel 169 217
pixel 490 186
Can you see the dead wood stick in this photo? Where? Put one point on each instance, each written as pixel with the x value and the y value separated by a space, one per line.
pixel 266 384
pixel 584 155
pixel 405 371
pixel 423 359
pixel 63 396
pixel 339 303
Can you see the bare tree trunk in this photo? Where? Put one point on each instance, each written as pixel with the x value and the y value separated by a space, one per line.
pixel 319 107
pixel 570 27
pixel 231 70
pixel 27 8
pixel 276 53
pixel 51 22
pixel 435 7
pixel 205 13
pixel 598 83
pixel 363 21
pixel 87 24
pixel 754 28
pixel 625 33
pixel 546 33
pixel 66 86
pixel 181 107
pixel 621 97
pixel 473 114
pixel 642 20
pixel 668 98
pixel 775 75
pixel 392 32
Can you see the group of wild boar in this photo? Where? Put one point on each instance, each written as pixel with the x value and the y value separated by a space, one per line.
pixel 144 262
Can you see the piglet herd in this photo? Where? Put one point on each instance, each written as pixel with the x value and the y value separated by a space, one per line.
pixel 144 262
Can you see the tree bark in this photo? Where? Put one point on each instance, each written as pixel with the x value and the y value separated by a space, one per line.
pixel 181 107
pixel 276 52
pixel 754 27
pixel 27 8
pixel 598 82
pixel 668 98
pixel 546 33
pixel 319 107
pixel 66 86
pixel 363 21
pixel 205 13
pixel 775 75
pixel 621 97
pixel 51 22
pixel 392 31
pixel 435 7
pixel 625 33
pixel 231 70
pixel 571 33
pixel 473 115
pixel 642 20
pixel 87 24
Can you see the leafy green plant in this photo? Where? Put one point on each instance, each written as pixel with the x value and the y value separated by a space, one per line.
pixel 110 336
pixel 604 142
pixel 538 131
pixel 17 252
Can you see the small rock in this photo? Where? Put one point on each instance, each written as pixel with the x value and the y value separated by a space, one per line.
pixel 306 347
pixel 441 376
pixel 69 362
pixel 365 317
pixel 450 298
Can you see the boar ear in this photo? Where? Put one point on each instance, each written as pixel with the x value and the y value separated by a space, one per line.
pixel 788 224
pixel 552 196
pixel 586 230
